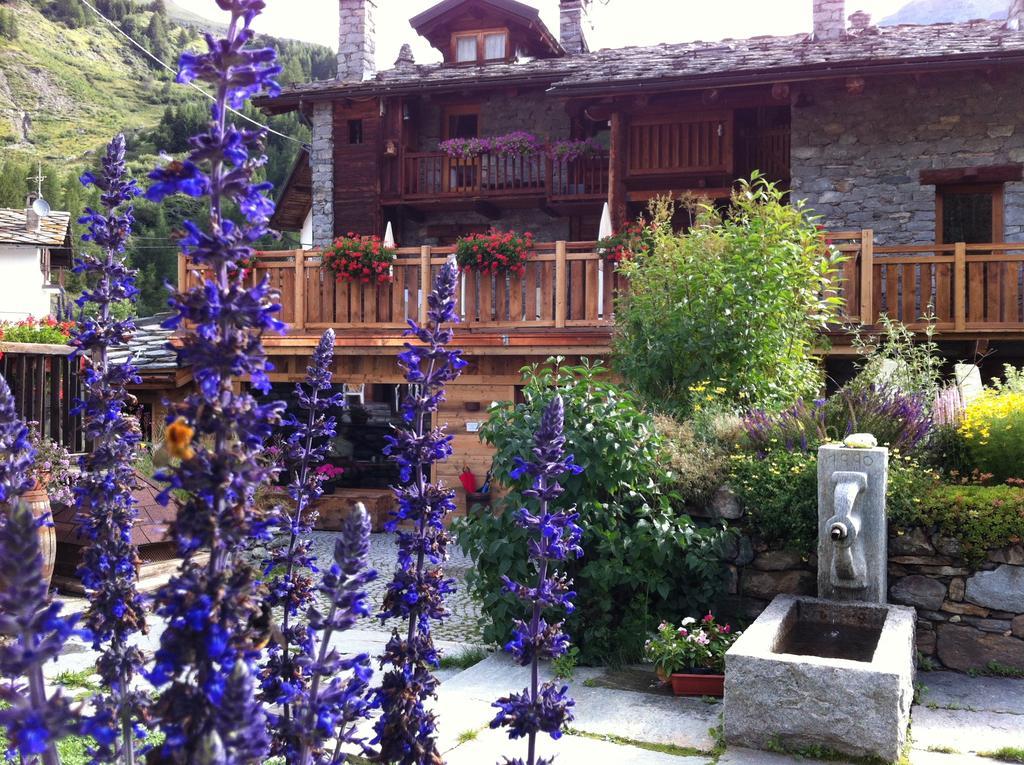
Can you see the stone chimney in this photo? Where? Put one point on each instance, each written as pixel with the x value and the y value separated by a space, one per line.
pixel 859 21
pixel 357 40
pixel 829 19
pixel 405 60
pixel 1015 16
pixel 574 22
pixel 32 220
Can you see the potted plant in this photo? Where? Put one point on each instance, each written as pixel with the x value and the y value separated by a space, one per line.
pixel 570 150
pixel 516 144
pixel 355 258
pixel 692 656
pixel 48 331
pixel 54 480
pixel 494 252
pixel 633 239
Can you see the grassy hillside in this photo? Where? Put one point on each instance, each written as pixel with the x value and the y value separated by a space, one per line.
pixel 64 92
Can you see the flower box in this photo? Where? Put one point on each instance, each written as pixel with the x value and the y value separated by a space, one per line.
pixel 684 684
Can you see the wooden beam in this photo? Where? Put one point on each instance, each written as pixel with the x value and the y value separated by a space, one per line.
pixel 560 284
pixel 488 210
pixel 960 286
pixel 617 170
pixel 867 276
pixel 424 282
pixel 1009 173
pixel 299 312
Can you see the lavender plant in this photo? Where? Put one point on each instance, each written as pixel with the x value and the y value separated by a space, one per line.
pixel 103 492
pixel 204 666
pixel 293 678
pixel 542 708
pixel 32 629
pixel 406 729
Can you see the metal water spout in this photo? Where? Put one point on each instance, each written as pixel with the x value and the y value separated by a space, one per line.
pixel 852 534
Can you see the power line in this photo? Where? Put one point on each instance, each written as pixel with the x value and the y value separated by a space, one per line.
pixel 173 71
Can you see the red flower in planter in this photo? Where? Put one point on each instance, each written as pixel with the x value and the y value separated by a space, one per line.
pixel 494 252
pixel 362 259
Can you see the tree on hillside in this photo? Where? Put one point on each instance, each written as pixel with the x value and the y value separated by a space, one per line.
pixel 8 24
pixel 70 12
pixel 157 40
pixel 159 7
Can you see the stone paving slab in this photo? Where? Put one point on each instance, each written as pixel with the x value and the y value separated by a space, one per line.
pixel 493 746
pixel 741 756
pixel 965 731
pixel 941 758
pixel 951 690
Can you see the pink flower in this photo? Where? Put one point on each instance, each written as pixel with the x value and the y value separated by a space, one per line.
pixel 682 632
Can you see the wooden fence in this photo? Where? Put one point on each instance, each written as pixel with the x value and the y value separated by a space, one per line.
pixel 565 284
pixel 46 382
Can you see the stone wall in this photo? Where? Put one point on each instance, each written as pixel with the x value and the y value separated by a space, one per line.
pixel 856 158
pixel 543 226
pixel 500 114
pixel 322 167
pixel 966 617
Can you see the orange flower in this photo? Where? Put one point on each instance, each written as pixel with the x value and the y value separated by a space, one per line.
pixel 178 438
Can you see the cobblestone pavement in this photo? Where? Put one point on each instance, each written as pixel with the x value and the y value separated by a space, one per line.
pixel 462 626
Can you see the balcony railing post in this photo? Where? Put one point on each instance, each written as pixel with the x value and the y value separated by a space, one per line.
pixel 867 276
pixel 182 272
pixel 960 285
pixel 424 281
pixel 560 283
pixel 299 311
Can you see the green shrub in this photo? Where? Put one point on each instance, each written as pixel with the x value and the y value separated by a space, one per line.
pixel 993 430
pixel 979 517
pixel 899 358
pixel 739 297
pixel 780 494
pixel 644 560
pixel 697 466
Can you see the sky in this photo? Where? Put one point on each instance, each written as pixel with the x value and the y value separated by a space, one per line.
pixel 617 23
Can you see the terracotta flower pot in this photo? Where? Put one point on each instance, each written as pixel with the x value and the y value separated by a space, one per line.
pixel 698 685
pixel 39 501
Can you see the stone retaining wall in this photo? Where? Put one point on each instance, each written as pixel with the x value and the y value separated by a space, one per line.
pixel 967 617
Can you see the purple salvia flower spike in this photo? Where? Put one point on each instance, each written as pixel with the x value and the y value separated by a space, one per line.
pixel 406 729
pixel 215 623
pixel 542 707
pixel 103 493
pixel 32 629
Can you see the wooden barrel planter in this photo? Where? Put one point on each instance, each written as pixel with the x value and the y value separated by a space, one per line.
pixel 39 501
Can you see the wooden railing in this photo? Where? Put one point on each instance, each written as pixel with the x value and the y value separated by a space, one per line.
pixel 432 175
pixel 565 284
pixel 966 287
pixel 46 381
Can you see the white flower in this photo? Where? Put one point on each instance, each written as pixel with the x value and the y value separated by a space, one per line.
pixel 688 621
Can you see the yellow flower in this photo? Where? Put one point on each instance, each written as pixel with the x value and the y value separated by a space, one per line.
pixel 178 438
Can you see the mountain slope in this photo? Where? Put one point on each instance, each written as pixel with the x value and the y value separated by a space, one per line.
pixel 63 92
pixel 936 11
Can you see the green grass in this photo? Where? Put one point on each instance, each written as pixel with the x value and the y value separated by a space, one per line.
pixel 1006 754
pixel 468 735
pixel 81 680
pixel 997 669
pixel 944 749
pixel 678 751
pixel 464 659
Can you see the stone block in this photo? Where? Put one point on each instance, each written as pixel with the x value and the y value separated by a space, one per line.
pixel 926 641
pixel 1017 625
pixel 768 584
pixel 778 560
pixel 1002 589
pixel 957 588
pixel 725 504
pixel 859 708
pixel 918 591
pixel 1014 555
pixel 964 609
pixel 1000 626
pixel 964 648
pixel 913 542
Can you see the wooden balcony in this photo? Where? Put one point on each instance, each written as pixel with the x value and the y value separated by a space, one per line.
pixel 565 300
pixel 973 290
pixel 434 176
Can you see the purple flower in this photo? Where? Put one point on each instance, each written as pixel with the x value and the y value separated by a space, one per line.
pixel 542 708
pixel 103 493
pixel 405 729
pixel 32 629
pixel 216 624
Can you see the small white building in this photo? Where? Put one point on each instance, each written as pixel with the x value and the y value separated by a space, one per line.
pixel 33 250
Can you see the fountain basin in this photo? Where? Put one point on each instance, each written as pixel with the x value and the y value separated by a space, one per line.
pixel 812 672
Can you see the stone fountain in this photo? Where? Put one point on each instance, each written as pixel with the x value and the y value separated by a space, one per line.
pixel 834 671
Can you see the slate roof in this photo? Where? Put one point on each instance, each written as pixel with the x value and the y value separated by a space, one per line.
pixel 149 346
pixel 730 61
pixel 53 229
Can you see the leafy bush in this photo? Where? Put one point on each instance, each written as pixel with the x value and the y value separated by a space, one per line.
pixel 643 560
pixel 898 358
pixel 697 466
pixel 692 646
pixel 47 330
pixel 780 494
pixel 979 517
pixel 993 430
pixel 898 420
pixel 632 239
pixel 739 297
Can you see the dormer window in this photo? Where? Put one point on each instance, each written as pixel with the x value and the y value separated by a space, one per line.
pixel 480 46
